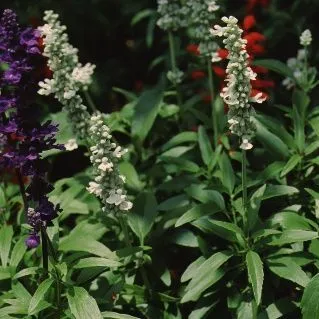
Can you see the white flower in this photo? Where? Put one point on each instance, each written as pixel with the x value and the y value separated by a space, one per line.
pixel 126 205
pixel 216 57
pixel 94 188
pixel 69 94
pixel 246 145
pixel 71 144
pixel 212 6
pixel 258 98
pixel 306 38
pixel 104 158
pixel 83 74
pixel 46 87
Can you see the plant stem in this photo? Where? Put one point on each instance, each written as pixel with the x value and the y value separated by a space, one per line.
pixel 211 92
pixel 22 191
pixel 90 101
pixel 45 255
pixel 174 65
pixel 128 244
pixel 244 189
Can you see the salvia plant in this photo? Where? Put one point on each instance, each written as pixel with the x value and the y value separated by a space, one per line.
pixel 191 194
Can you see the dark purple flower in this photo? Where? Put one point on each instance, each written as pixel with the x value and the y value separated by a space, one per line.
pixel 24 135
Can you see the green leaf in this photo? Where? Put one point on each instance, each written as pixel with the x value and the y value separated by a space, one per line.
pixel 255 274
pixel 142 15
pixel 206 275
pixel 289 220
pixel 184 137
pixel 279 190
pixel 205 196
pixel 247 310
pixel 191 270
pixel 228 175
pixel 278 309
pixel 182 163
pixel 18 252
pixel 314 122
pixel 197 212
pixel 37 300
pixel 299 128
pixel 293 236
pixel 271 142
pixel 174 202
pixel 82 305
pixel 131 177
pixel 291 164
pixel 146 111
pixel 311 147
pixel 309 303
pixel 96 262
pixel 21 294
pixel 205 145
pixel 87 244
pixel 184 237
pixel 224 230
pixel 143 215
pixel 254 205
pixel 6 234
pixel 288 269
pixel 275 65
pixel 115 315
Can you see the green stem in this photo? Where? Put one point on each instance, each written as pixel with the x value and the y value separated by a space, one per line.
pixel 128 244
pixel 244 189
pixel 211 92
pixel 174 66
pixel 90 101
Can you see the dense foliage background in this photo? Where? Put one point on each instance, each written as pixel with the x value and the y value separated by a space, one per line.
pixel 187 249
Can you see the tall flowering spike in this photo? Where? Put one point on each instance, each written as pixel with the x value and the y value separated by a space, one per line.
pixel 69 76
pixel 108 183
pixel 23 137
pixel 173 16
pixel 237 93
pixel 202 14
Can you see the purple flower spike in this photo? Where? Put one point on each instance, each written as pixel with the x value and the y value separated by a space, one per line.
pixel 21 130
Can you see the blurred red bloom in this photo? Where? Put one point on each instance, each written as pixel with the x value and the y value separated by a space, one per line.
pixel 259 84
pixel 219 71
pixel 197 74
pixel 192 49
pixel 222 53
pixel 249 22
pixel 207 98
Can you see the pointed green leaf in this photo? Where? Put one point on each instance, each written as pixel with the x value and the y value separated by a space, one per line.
pixel 205 145
pixel 36 302
pixel 309 303
pixel 255 274
pixel 6 234
pixel 82 305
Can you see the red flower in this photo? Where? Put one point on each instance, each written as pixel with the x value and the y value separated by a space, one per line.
pixel 192 49
pixel 259 69
pixel 219 71
pixel 222 53
pixel 254 46
pixel 260 84
pixel 249 22
pixel 197 74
